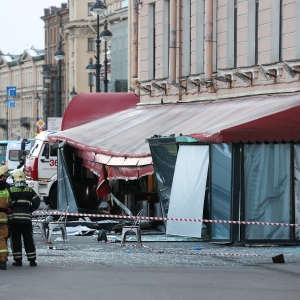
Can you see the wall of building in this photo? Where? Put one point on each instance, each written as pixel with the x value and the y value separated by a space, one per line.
pixel 251 40
pixel 54 20
pixel 25 72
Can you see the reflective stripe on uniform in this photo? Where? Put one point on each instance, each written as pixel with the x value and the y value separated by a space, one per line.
pixel 4 250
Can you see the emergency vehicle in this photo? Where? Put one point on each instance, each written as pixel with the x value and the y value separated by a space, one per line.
pixel 41 168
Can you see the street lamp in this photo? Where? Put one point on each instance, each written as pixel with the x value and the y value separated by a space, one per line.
pixel 91 70
pixel 37 99
pixel 47 79
pixel 97 9
pixel 59 55
pixel 73 93
pixel 46 89
pixel 105 36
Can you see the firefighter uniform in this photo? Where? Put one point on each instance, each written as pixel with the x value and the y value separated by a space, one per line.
pixel 4 204
pixel 4 173
pixel 24 201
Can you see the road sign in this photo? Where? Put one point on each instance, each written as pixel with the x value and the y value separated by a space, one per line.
pixel 11 91
pixel 54 124
pixel 40 123
pixel 10 103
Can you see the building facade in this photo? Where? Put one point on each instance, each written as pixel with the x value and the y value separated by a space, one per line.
pixel 192 50
pixel 55 18
pixel 81 31
pixel 223 66
pixel 25 73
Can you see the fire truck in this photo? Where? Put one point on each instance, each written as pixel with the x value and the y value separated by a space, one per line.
pixel 41 168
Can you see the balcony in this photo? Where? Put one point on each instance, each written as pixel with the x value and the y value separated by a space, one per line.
pixel 25 122
pixel 3 123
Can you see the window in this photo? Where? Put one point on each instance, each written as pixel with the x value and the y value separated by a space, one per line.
pixel 186 38
pixel 124 3
pixel 46 151
pixel 151 37
pixel 280 29
pixel 166 37
pixel 14 155
pixel 235 34
pixel 256 31
pixel 53 150
pixel 91 44
pixel 89 8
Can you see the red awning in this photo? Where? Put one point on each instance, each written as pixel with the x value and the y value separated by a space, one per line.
pixel 87 107
pixel 120 139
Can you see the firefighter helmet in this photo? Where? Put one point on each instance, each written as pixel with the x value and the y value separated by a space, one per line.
pixel 4 171
pixel 18 176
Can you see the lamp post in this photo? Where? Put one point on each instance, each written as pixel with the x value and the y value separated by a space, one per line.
pixel 46 89
pixel 97 9
pixel 6 117
pixel 90 68
pixel 105 36
pixel 59 55
pixel 73 93
pixel 37 99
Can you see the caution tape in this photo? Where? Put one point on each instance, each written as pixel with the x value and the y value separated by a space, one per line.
pixel 162 218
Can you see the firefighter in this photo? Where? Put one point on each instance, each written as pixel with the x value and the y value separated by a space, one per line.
pixel 4 173
pixel 4 204
pixel 24 201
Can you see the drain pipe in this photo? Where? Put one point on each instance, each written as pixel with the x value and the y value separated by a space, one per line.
pixel 209 45
pixel 134 45
pixel 172 47
pixel 135 24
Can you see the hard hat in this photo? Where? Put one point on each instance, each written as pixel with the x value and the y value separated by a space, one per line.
pixel 4 171
pixel 18 176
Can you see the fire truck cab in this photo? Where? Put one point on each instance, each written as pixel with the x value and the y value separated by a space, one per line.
pixel 41 168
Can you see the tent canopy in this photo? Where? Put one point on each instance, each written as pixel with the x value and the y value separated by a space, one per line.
pixel 87 107
pixel 120 139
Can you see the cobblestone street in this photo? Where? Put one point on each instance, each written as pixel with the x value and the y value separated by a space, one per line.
pixel 85 268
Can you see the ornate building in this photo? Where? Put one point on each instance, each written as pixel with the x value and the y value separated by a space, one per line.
pixel 55 18
pixel 82 30
pixel 25 73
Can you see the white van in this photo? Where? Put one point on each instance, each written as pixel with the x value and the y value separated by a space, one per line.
pixel 14 153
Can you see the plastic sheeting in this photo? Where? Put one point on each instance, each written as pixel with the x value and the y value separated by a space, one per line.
pixel 188 190
pixel 297 188
pixel 65 191
pixel 267 188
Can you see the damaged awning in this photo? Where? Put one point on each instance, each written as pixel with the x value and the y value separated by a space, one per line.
pixel 96 106
pixel 119 140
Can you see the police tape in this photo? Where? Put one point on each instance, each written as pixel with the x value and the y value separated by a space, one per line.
pixel 59 213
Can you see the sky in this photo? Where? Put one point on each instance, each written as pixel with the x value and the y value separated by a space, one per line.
pixel 21 26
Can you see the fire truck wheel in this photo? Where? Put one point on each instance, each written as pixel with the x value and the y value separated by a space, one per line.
pixel 46 200
pixel 53 198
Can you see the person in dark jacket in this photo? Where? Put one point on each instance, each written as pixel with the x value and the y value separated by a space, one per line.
pixel 24 201
pixel 4 204
pixel 22 162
